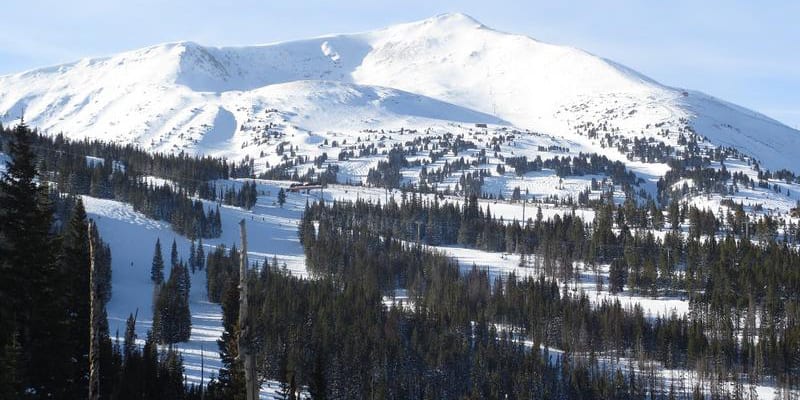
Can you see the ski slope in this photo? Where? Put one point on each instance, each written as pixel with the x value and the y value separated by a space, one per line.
pixel 132 236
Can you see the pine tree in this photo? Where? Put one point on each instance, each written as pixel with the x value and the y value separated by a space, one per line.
pixel 172 319
pixel 75 266
pixel 281 197
pixel 157 269
pixel 230 383
pixel 216 224
pixel 617 276
pixel 184 280
pixel 200 258
pixel 173 255
pixel 130 337
pixel 102 266
pixel 183 313
pixel 192 257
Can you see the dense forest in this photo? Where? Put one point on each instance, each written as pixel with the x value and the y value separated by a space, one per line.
pixel 743 296
pixel 335 339
pixel 459 333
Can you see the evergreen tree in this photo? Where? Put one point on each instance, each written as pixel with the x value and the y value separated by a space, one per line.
pixel 75 264
pixel 102 260
pixel 617 276
pixel 173 255
pixel 281 197
pixel 129 345
pixel 157 269
pixel 216 222
pixel 172 319
pixel 200 258
pixel 230 383
pixel 192 257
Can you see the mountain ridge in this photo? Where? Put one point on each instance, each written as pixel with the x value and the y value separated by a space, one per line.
pixel 450 58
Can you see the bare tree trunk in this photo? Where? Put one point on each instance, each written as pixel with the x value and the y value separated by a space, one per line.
pixel 94 326
pixel 245 352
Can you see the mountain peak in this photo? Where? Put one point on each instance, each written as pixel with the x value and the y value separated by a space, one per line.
pixel 454 18
pixel 152 94
pixel 445 22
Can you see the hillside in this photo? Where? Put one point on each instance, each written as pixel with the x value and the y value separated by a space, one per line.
pixel 428 206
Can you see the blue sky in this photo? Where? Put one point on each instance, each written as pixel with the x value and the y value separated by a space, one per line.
pixel 740 51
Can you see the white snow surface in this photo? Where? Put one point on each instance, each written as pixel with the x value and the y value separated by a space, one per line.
pixel 218 100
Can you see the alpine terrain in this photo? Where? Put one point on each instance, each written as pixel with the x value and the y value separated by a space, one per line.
pixel 435 209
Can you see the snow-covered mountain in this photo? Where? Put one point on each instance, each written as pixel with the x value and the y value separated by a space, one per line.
pixel 442 70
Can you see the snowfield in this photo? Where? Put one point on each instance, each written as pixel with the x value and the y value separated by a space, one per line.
pixel 449 68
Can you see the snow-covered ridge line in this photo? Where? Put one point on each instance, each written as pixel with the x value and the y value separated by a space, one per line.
pixel 448 68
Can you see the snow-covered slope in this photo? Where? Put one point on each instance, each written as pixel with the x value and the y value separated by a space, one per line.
pixel 415 75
